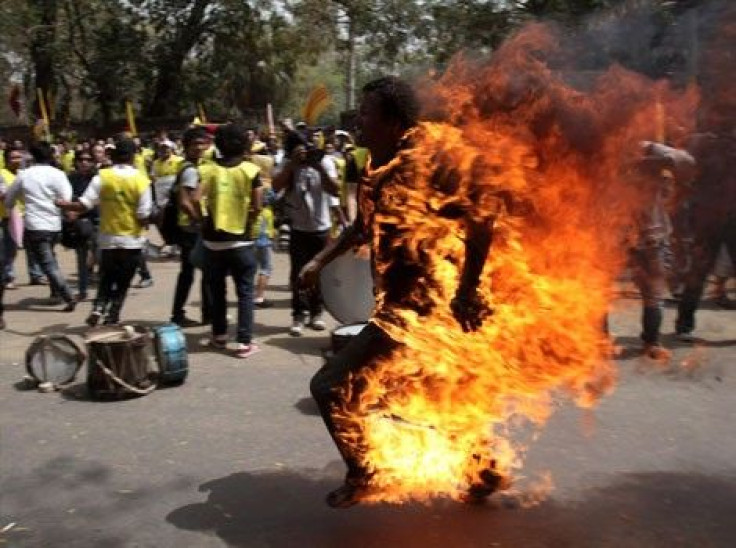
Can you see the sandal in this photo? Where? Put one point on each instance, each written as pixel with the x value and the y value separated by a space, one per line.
pixel 246 350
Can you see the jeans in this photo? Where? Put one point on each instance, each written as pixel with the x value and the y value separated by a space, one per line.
pixel 650 276
pixel 117 268
pixel 707 243
pixel 143 267
pixel 185 280
pixel 11 250
pixel 3 275
pixel 341 375
pixel 39 245
pixel 303 246
pixel 83 254
pixel 240 263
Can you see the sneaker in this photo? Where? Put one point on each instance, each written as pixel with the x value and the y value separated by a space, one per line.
pixel 262 303
pixel 656 352
pixel 111 321
pixel 70 306
pixel 318 324
pixel 217 343
pixel 55 301
pixel 145 282
pixel 185 322
pixel 39 281
pixel 80 297
pixel 246 350
pixel 296 329
pixel 11 285
pixel 686 336
pixel 93 319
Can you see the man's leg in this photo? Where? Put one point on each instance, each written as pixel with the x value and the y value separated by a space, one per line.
pixel 105 285
pixel 3 273
pixel 317 244
pixel 340 375
pixel 217 268
pixel 128 261
pixel 184 280
pixel 704 256
pixel 40 247
pixel 11 250
pixel 650 278
pixel 82 253
pixel 298 257
pixel 243 270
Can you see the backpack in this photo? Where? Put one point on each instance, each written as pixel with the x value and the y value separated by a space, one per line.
pixel 168 220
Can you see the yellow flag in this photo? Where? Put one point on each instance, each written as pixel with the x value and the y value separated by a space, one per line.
pixel 131 118
pixel 318 100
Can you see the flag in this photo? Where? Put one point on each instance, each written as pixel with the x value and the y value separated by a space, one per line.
pixel 131 118
pixel 318 100
pixel 14 100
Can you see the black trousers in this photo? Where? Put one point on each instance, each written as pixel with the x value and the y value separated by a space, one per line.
pixel 303 246
pixel 331 384
pixel 707 243
pixel 186 278
pixel 117 268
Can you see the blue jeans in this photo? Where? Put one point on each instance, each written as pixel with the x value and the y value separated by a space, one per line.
pixel 11 250
pixel 83 254
pixel 3 257
pixel 240 263
pixel 39 245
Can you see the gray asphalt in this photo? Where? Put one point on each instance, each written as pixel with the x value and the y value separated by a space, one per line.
pixel 237 457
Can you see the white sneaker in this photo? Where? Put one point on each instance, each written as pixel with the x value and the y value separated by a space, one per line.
pixel 296 329
pixel 318 324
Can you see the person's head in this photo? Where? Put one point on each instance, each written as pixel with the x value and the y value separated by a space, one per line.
pixel 165 149
pixel 195 142
pixel 84 162
pixel 231 140
pixel 388 108
pixel 98 153
pixel 124 150
pixel 13 156
pixel 42 152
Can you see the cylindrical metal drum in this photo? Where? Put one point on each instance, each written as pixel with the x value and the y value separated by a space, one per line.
pixel 55 358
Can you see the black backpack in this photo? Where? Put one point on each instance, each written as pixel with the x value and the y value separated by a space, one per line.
pixel 168 220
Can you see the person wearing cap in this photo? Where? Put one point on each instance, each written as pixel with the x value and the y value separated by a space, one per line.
pixel 124 197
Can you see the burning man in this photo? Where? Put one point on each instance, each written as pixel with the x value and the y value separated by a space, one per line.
pixel 404 280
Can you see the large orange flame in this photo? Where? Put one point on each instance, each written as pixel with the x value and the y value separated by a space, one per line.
pixel 444 404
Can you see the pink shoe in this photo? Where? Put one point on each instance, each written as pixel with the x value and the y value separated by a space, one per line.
pixel 246 350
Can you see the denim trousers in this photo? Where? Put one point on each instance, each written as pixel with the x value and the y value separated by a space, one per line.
pixel 117 268
pixel 240 264
pixel 39 245
pixel 11 250
pixel 185 279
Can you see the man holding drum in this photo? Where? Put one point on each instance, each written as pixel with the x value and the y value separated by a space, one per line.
pixel 387 122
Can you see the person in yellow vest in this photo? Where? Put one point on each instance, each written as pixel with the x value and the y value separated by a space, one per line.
pixel 164 169
pixel 263 233
pixel 231 191
pixel 124 197
pixel 195 140
pixel 66 157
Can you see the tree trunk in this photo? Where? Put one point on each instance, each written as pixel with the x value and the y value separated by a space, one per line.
pixel 42 43
pixel 350 69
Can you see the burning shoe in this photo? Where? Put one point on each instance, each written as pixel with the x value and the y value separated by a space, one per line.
pixel 490 482
pixel 349 493
pixel 656 352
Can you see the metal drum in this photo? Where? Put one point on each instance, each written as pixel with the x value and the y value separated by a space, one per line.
pixel 120 362
pixel 55 358
pixel 341 336
pixel 347 288
pixel 170 346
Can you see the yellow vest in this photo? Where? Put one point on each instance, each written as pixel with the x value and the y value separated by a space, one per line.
pixel 228 191
pixel 361 157
pixel 264 221
pixel 119 197
pixel 170 166
pixel 342 165
pixel 140 163
pixel 8 177
pixel 67 161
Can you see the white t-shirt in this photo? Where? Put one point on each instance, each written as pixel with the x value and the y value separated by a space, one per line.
pixel 91 198
pixel 39 187
pixel 309 205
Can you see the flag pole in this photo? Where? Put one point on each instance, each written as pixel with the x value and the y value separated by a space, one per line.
pixel 131 118
pixel 44 112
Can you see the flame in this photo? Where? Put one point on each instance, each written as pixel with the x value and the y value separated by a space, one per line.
pixel 550 164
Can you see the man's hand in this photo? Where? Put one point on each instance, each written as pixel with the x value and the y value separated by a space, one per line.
pixel 470 309
pixel 309 275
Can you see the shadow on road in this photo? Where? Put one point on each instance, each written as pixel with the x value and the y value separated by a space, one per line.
pixel 642 510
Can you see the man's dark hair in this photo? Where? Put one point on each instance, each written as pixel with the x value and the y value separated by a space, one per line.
pixel 11 148
pixel 397 99
pixel 192 134
pixel 42 152
pixel 124 151
pixel 231 140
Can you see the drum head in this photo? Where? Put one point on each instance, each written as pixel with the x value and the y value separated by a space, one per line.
pixel 347 288
pixel 54 359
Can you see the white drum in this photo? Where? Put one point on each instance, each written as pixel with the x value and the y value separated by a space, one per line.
pixel 55 358
pixel 347 288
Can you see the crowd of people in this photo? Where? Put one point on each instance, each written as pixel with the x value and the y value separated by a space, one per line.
pixel 215 193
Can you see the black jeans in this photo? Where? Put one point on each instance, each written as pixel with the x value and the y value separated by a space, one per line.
pixel 185 280
pixel 240 263
pixel 303 246
pixel 707 243
pixel 340 375
pixel 3 272
pixel 39 244
pixel 117 268
pixel 650 276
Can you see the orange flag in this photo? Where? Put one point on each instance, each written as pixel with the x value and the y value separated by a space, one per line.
pixel 318 100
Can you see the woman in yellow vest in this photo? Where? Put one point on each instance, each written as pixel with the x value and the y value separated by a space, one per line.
pixel 231 190
pixel 124 197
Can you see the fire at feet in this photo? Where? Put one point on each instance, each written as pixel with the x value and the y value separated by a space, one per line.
pixel 552 169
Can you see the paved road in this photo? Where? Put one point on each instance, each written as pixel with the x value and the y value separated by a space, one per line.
pixel 237 457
